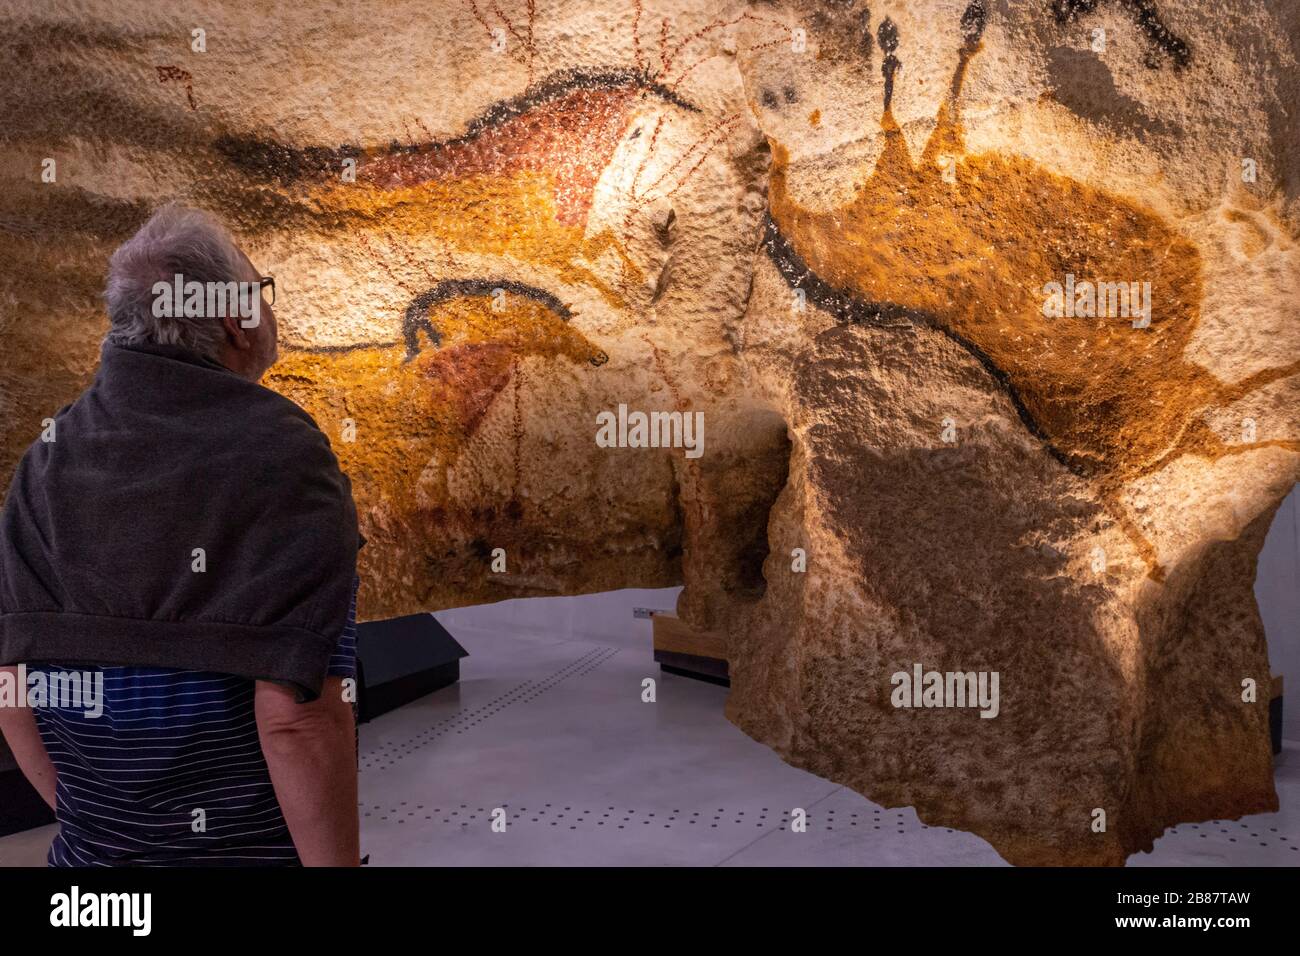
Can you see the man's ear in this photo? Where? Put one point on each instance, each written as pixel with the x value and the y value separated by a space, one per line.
pixel 236 335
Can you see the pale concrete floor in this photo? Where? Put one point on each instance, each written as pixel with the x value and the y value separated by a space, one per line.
pixel 555 733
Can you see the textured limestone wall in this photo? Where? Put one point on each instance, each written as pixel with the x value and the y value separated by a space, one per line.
pixel 829 227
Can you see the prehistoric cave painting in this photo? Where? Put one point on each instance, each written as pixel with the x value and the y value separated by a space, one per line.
pixel 1144 12
pixel 1129 683
pixel 417 313
pixel 523 49
pixel 417 406
pixel 966 244
pixel 519 181
pixel 518 184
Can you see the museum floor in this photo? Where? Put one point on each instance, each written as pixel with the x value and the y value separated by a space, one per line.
pixel 554 731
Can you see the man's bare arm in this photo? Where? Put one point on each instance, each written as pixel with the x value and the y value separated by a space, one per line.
pixel 311 752
pixel 18 724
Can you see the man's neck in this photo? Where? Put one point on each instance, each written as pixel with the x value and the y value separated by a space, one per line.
pixel 239 363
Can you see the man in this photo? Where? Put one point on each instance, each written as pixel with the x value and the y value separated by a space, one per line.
pixel 185 536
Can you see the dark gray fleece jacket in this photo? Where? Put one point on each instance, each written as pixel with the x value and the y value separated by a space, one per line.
pixel 167 453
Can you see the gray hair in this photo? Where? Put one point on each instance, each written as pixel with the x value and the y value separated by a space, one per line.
pixel 175 240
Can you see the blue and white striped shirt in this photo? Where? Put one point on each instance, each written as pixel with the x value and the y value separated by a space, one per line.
pixel 171 773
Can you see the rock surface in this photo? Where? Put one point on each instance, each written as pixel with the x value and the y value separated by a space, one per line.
pixel 831 228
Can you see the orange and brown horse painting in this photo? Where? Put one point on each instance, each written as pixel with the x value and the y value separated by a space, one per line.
pixel 518 183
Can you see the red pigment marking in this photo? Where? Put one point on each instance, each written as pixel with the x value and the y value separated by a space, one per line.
pixel 469 376
pixel 650 151
pixel 382 262
pixel 518 429
pixel 717 133
pixel 532 47
pixel 769 43
pixel 487 28
pixel 526 43
pixel 668 58
pixel 636 34
pixel 699 34
pixel 783 27
pixel 687 72
pixel 663 373
pixel 167 74
pixel 719 130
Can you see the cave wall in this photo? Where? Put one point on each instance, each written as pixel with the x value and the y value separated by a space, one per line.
pixel 830 229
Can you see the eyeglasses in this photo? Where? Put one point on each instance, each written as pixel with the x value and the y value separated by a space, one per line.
pixel 268 281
